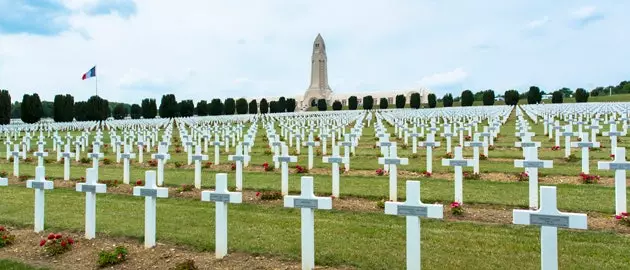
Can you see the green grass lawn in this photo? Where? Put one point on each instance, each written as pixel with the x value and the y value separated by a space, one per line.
pixel 12 265
pixel 361 239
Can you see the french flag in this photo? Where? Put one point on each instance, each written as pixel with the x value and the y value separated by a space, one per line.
pixel 89 74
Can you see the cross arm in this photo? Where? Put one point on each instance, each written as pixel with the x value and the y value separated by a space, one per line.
pixel 40 184
pixel 422 210
pixel 96 188
pixel 557 219
pixel 308 202
pixel 229 197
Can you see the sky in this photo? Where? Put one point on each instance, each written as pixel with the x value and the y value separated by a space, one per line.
pixel 204 49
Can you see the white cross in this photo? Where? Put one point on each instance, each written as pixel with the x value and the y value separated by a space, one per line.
pixel 393 161
pixel 4 182
pixel 413 209
pixel 66 162
pixel 161 157
pixel 189 150
pixel 307 201
pixel 549 218
pixel 613 134
pixel 475 144
pixel 310 143
pixel 284 159
pixel 39 185
pixel 95 155
pixel 221 196
pixel 239 158
pixel 91 187
pixel 335 159
pixel 216 144
pixel 8 144
pixel 150 192
pixel 126 156
pixel 448 135
pixel 197 158
pixel 16 160
pixel 585 145
pixel 346 150
pixel 531 165
pixel 620 165
pixel 429 143
pixel 458 162
pixel 40 154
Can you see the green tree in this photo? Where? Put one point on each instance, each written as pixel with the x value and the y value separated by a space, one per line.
pixel 383 104
pixel 534 96
pixel 353 103
pixel 229 106
pixel 414 101
pixel 264 106
pixel 337 105
pixel 253 107
pixel 149 108
pixel 273 107
pixel 186 108
pixel 169 107
pixel 581 95
pixel 368 102
pixel 136 111
pixel 119 111
pixel 595 92
pixel 96 109
pixel 400 101
pixel 321 105
pixel 468 98
pixel 282 106
pixel 432 100
pixel 31 110
pixel 241 106
pixel 488 97
pixel 216 107
pixel 290 105
pixel 202 108
pixel 511 97
pixel 5 107
pixel 447 100
pixel 557 97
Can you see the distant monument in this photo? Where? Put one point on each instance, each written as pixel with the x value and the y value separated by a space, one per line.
pixel 319 88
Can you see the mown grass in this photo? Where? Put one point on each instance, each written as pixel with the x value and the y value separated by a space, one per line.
pixel 13 265
pixel 363 240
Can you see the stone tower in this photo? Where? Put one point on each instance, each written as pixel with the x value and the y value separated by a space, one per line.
pixel 319 88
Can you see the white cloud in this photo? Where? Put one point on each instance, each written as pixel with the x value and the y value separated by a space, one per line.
pixel 444 78
pixel 538 23
pixel 584 12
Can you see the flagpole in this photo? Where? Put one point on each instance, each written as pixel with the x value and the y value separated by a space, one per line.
pixel 95 75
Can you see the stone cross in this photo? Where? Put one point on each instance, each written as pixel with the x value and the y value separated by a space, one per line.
pixel 217 145
pixel 585 145
pixel 384 145
pixel 161 157
pixel 620 165
pixel 150 192
pixel 393 161
pixel 310 144
pixel 549 218
pixel 284 159
pixel 335 159
pixel 475 144
pixel 222 197
pixel 324 137
pixel 91 187
pixel 77 150
pixel 16 160
pixel 126 156
pixel 197 158
pixel 567 133
pixel 40 154
pixel 95 155
pixel 8 153
pixel 531 165
pixel 429 144
pixel 140 150
pixel 613 134
pixel 66 162
pixel 414 140
pixel 189 150
pixel 448 135
pixel 346 150
pixel 308 202
pixel 458 162
pixel 40 184
pixel 239 158
pixel 413 209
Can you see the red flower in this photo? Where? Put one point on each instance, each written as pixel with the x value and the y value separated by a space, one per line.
pixel 617 217
pixel 625 214
pixel 612 156
pixel 51 236
pixel 139 183
pixel 332 197
pixel 42 242
pixel 455 204
pixel 2 229
pixel 265 165
pixel 58 236
pixel 257 194
pixel 63 243
pixel 70 241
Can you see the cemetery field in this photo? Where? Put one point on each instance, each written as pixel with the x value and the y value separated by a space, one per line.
pixel 355 233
